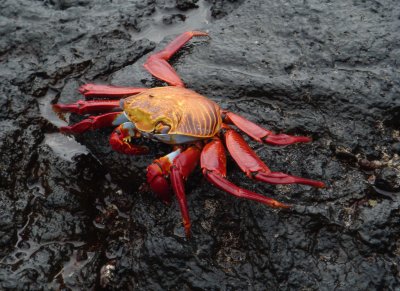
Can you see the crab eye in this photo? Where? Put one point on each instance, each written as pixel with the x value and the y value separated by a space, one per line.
pixel 162 128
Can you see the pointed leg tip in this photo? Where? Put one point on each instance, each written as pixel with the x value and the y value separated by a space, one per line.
pixel 282 205
pixel 312 183
pixel 284 139
pixel 187 230
pixel 304 139
pixel 66 129
pixel 85 88
pixel 57 109
pixel 187 234
pixel 199 33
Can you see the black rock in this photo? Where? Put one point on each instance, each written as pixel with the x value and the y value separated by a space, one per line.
pixel 388 180
pixel 76 215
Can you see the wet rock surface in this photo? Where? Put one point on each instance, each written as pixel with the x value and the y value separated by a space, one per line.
pixel 75 215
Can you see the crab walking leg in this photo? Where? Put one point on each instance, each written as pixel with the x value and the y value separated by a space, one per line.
pixel 213 164
pixel 120 140
pixel 114 92
pixel 95 122
pixel 82 107
pixel 252 165
pixel 157 63
pixel 182 166
pixel 261 134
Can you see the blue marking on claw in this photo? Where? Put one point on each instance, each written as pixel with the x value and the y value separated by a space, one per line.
pixel 130 127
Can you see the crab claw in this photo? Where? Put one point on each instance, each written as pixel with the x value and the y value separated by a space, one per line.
pixel 120 141
pixel 157 176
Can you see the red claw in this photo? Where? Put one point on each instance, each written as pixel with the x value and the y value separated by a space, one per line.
pixel 156 178
pixel 177 166
pixel 118 143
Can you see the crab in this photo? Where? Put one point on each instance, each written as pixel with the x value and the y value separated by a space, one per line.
pixel 194 125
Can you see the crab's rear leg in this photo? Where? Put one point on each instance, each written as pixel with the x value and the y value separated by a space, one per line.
pixel 261 134
pixel 213 164
pixel 252 165
pixel 177 165
pixel 157 63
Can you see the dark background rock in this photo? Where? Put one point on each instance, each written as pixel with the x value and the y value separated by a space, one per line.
pixel 78 216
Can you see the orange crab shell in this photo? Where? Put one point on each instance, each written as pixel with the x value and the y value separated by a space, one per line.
pixel 182 111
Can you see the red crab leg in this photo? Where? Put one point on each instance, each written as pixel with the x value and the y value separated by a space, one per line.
pixel 82 107
pixel 120 140
pixel 182 166
pixel 252 165
pixel 94 90
pixel 213 164
pixel 95 122
pixel 157 63
pixel 261 134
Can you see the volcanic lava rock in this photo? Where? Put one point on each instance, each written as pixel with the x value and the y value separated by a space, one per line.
pixel 388 180
pixel 75 215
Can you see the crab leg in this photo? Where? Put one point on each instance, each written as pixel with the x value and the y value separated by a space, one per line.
pixel 94 90
pixel 82 107
pixel 261 134
pixel 95 122
pixel 182 166
pixel 213 164
pixel 120 140
pixel 252 165
pixel 178 165
pixel 157 63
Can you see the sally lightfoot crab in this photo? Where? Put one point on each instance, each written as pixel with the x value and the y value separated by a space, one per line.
pixel 196 127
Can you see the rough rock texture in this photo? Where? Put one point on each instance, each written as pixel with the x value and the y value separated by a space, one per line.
pixel 77 216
